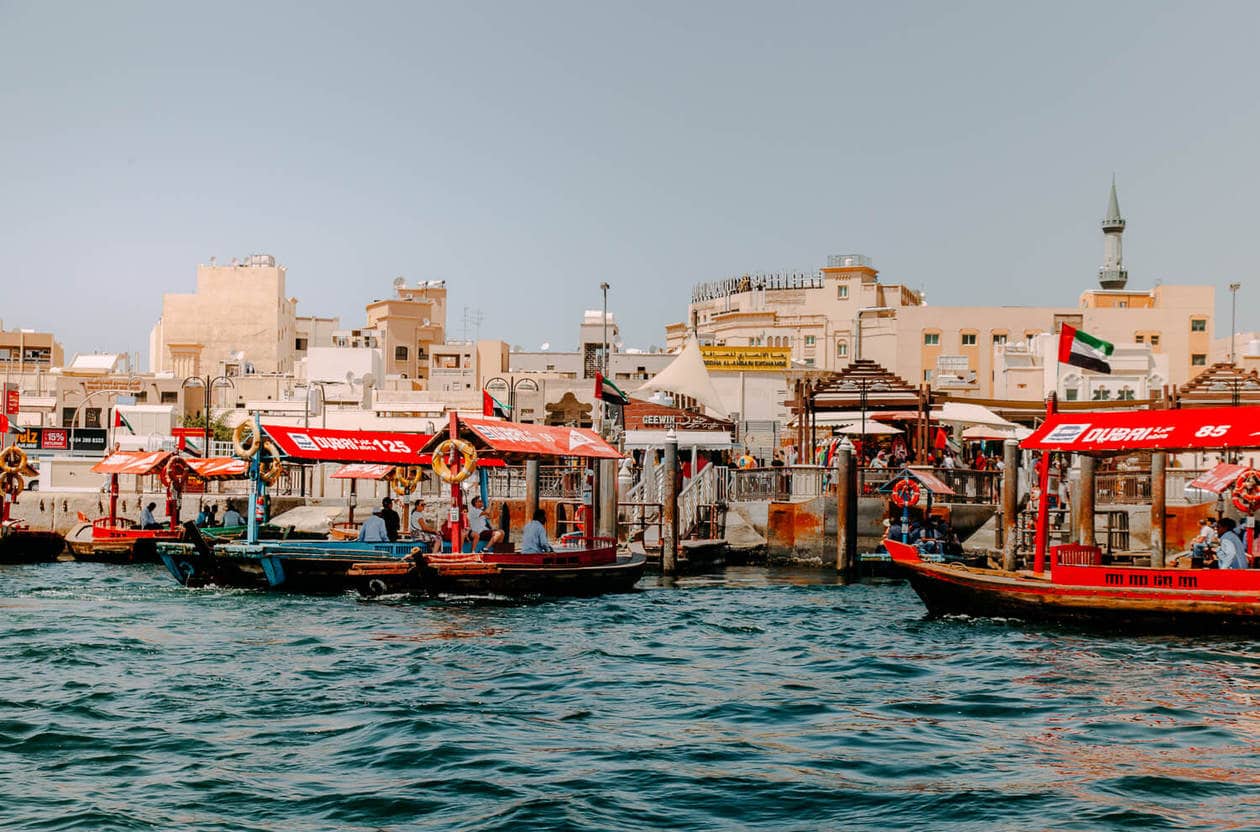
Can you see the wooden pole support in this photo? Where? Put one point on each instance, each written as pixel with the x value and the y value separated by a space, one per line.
pixel 669 500
pixel 1159 507
pixel 1010 502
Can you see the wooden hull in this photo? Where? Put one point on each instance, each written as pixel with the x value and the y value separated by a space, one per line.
pixel 597 579
pixel 87 543
pixel 1127 598
pixel 30 546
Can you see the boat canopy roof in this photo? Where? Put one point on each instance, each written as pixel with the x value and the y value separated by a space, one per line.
pixel 219 468
pixel 363 471
pixel 504 439
pixel 327 445
pixel 139 463
pixel 1218 479
pixel 1107 432
pixel 927 479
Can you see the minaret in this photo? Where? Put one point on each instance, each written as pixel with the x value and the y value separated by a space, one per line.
pixel 1112 275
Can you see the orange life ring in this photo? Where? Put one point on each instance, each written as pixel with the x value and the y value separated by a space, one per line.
pixel 905 493
pixel 271 467
pixel 174 474
pixel 12 459
pixel 12 484
pixel 1246 497
pixel 468 460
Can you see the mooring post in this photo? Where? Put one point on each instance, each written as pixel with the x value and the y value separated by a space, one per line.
pixel 1159 507
pixel 1085 502
pixel 531 488
pixel 608 498
pixel 1010 502
pixel 846 512
pixel 669 501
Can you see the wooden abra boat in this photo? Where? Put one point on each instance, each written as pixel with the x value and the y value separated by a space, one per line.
pixel 1073 584
pixel 18 542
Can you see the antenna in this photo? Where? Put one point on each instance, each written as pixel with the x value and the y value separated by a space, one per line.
pixel 472 321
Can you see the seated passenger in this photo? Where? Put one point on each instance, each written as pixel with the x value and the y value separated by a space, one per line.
pixel 1205 542
pixel 1232 551
pixel 534 535
pixel 373 529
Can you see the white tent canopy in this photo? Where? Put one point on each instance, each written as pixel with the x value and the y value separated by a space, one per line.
pixel 960 413
pixel 872 429
pixel 686 375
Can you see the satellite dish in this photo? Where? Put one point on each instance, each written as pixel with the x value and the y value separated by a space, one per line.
pixel 400 282
pixel 426 322
pixel 546 345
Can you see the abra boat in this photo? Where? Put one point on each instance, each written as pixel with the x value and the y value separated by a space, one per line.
pixel 1073 584
pixel 18 542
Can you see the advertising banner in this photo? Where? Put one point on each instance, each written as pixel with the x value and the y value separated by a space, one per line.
pixel 746 359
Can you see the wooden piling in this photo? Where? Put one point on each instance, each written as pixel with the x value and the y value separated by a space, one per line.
pixel 1085 502
pixel 846 513
pixel 608 498
pixel 532 471
pixel 1010 502
pixel 1159 507
pixel 669 500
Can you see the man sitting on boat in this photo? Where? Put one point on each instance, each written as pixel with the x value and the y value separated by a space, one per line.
pixel 232 517
pixel 374 529
pixel 147 520
pixel 1206 541
pixel 421 531
pixel 534 535
pixel 1231 553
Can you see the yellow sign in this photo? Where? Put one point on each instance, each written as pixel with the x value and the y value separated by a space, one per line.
pixel 747 359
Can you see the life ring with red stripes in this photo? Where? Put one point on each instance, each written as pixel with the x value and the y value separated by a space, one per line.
pixel 905 493
pixel 1246 497
pixel 174 474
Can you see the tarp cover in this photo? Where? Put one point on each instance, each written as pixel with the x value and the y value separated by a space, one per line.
pixel 539 440
pixel 1218 479
pixel 327 445
pixel 363 471
pixel 132 462
pixel 219 468
pixel 1110 432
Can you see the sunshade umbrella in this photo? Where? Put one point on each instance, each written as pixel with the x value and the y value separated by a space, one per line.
pixel 870 429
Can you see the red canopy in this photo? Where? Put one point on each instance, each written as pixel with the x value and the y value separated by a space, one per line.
pixel 219 468
pixel 325 445
pixel 539 440
pixel 1158 430
pixel 132 462
pixel 1218 479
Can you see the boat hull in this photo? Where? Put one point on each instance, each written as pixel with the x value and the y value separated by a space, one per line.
pixel 1130 598
pixel 30 546
pixel 91 543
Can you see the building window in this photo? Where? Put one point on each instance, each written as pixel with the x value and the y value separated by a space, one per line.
pixel 999 338
pixel 169 397
pixel 1198 325
pixel 927 375
pixel 1126 394
pixel 1154 340
pixel 842 349
pixel 400 353
pixel 1070 394
pixel 1124 304
pixel 299 344
pixel 1198 359
pixel 969 339
pixel 1102 394
pixel 67 417
pixel 931 339
pixel 1139 339
pixel 809 362
pixel 809 340
pixel 92 417
pixel 842 292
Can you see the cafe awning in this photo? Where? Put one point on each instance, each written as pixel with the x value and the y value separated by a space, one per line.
pixel 138 463
pixel 1157 430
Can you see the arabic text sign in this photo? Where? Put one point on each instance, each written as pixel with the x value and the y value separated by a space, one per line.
pixel 746 359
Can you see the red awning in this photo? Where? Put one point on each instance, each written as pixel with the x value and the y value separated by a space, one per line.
pixel 363 471
pixel 933 483
pixel 326 445
pixel 132 462
pixel 219 468
pixel 1159 430
pixel 539 440
pixel 1218 479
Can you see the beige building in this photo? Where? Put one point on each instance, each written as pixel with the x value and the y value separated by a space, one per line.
pixel 238 321
pixel 25 351
pixel 843 312
pixel 407 325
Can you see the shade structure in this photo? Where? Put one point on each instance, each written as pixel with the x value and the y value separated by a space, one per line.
pixel 871 428
pixel 1106 432
pixel 327 445
pixel 219 468
pixel 1218 479
pixel 529 441
pixel 985 433
pixel 132 462
pixel 363 471
pixel 962 413
pixel 687 376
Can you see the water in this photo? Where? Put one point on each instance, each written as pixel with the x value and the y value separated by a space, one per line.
pixel 755 700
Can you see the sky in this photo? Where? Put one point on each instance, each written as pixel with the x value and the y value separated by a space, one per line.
pixel 527 152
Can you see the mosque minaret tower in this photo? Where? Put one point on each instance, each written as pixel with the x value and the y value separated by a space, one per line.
pixel 1113 275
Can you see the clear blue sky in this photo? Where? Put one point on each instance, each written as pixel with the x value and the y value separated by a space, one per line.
pixel 526 151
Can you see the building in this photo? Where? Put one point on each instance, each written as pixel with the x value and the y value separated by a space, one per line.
pixel 238 321
pixel 26 351
pixel 407 325
pixel 844 311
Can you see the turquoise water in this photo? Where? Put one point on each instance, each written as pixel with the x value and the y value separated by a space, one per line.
pixel 751 700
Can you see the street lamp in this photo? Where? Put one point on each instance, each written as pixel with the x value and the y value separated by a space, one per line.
pixel 1233 311
pixel 74 418
pixel 863 387
pixel 207 383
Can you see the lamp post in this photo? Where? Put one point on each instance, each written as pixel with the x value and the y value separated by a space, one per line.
pixel 74 419
pixel 863 387
pixel 1233 311
pixel 207 383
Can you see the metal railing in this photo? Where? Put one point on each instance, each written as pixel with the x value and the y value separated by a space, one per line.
pixel 969 486
pixel 785 484
pixel 1134 487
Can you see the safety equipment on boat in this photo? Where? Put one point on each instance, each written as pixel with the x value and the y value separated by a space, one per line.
pixel 12 459
pixel 174 474
pixel 1246 496
pixel 272 468
pixel 246 450
pixel 468 460
pixel 12 484
pixel 405 478
pixel 905 493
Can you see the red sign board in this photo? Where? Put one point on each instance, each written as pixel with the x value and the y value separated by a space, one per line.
pixel 641 415
pixel 1167 430
pixel 12 400
pixel 326 445
pixel 4 423
pixel 54 439
pixel 539 440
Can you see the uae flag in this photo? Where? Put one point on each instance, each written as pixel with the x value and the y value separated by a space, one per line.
pixel 1080 349
pixel 608 392
pixel 120 421
pixel 490 406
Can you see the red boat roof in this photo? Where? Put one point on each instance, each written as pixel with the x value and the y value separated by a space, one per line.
pixel 219 468
pixel 363 471
pixel 132 462
pixel 1218 479
pixel 516 439
pixel 327 445
pixel 1088 432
